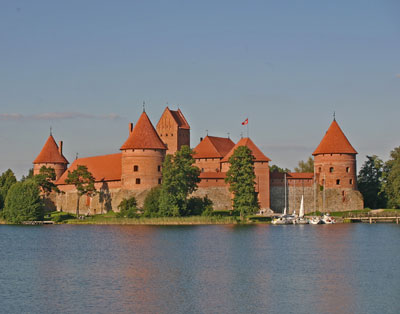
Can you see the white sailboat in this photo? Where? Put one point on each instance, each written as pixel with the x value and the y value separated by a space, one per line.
pixel 301 220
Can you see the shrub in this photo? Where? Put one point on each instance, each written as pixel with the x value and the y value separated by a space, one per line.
pixel 23 203
pixel 127 208
pixel 151 203
pixel 224 213
pixel 199 206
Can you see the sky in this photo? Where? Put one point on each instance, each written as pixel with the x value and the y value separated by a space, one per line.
pixel 85 68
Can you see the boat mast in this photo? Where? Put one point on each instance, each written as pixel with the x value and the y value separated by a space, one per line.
pixel 285 192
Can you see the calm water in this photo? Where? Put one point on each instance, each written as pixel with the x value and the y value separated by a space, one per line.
pixel 350 268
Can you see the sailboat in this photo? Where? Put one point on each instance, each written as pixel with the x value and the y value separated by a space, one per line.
pixel 301 220
pixel 283 219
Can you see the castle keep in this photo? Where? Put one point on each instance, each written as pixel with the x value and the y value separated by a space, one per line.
pixel 137 169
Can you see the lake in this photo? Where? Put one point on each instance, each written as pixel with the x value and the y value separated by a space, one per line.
pixel 342 268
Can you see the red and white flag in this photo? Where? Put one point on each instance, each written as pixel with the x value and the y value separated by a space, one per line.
pixel 245 121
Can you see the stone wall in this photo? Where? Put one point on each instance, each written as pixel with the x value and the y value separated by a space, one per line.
pixel 220 196
pixel 332 200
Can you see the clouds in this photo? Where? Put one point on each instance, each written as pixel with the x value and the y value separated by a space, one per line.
pixel 57 116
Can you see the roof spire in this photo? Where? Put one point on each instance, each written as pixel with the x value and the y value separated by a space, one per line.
pixel 51 131
pixel 334 116
pixel 207 132
pixel 144 110
pixel 76 156
pixel 228 134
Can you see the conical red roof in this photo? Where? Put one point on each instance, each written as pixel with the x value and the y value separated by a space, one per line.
pixel 213 147
pixel 50 154
pixel 143 136
pixel 334 142
pixel 257 153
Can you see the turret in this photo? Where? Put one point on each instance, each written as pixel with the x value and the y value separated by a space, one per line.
pixel 174 130
pixel 335 160
pixel 51 156
pixel 142 156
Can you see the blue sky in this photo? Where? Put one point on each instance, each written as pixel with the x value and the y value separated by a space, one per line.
pixel 85 67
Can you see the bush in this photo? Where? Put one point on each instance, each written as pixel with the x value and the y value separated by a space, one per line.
pixel 151 203
pixel 199 206
pixel 23 203
pixel 127 208
pixel 62 217
pixel 225 213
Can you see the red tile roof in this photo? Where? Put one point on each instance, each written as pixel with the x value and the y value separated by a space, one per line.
pixel 50 153
pixel 143 136
pixel 212 175
pixel 103 168
pixel 257 153
pixel 213 147
pixel 180 119
pixel 300 175
pixel 334 142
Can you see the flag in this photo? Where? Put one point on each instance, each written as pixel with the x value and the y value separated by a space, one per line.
pixel 245 121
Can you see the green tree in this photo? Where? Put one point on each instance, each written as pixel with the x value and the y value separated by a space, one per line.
pixel 241 179
pixel 45 179
pixel 128 208
pixel 370 179
pixel 28 176
pixel 7 180
pixel 305 166
pixel 83 180
pixel 151 205
pixel 274 168
pixel 391 181
pixel 180 179
pixel 23 202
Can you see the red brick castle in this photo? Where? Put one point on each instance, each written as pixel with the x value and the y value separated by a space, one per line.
pixel 137 168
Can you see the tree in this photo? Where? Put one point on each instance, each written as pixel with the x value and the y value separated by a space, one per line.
pixel 83 180
pixel 391 179
pixel 241 179
pixel 7 180
pixel 23 202
pixel 180 179
pixel 29 176
pixel 152 202
pixel 45 179
pixel 305 166
pixel 128 208
pixel 370 182
pixel 274 168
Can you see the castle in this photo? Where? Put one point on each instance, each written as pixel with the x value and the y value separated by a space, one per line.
pixel 137 168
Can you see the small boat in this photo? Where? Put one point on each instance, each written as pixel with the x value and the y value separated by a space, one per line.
pixel 301 220
pixel 328 219
pixel 283 220
pixel 315 220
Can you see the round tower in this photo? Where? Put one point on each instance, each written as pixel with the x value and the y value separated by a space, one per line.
pixel 142 156
pixel 51 156
pixel 335 160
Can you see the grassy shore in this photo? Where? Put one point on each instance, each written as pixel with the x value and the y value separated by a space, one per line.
pixel 111 219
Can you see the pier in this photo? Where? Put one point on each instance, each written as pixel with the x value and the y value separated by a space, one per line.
pixel 374 219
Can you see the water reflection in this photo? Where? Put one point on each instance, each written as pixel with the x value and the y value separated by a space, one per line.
pixel 200 269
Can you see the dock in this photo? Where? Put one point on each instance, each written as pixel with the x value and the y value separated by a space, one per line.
pixel 374 219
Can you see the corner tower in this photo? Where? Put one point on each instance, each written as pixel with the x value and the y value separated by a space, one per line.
pixel 51 156
pixel 335 160
pixel 142 156
pixel 174 130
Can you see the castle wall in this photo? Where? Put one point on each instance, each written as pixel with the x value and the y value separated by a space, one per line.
pixel 261 170
pixel 208 164
pixel 219 195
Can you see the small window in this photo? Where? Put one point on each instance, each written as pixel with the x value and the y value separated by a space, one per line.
pixel 159 181
pixel 331 169
pixel 351 181
pixel 337 182
pixel 166 134
pixel 135 168
pixel 202 169
pixel 342 193
pixel 172 134
pixel 319 169
pixel 348 169
pixel 159 168
pixel 137 181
